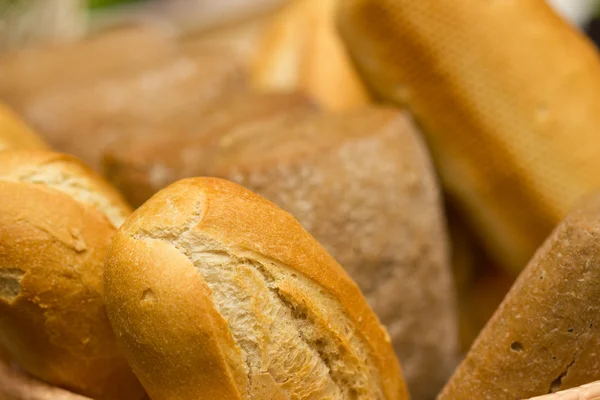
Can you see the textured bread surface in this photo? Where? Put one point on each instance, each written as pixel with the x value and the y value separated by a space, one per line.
pixel 508 96
pixel 15 134
pixel 52 313
pixel 38 69
pixel 84 119
pixel 215 292
pixel 155 156
pixel 545 335
pixel 66 174
pixel 362 184
pixel 591 391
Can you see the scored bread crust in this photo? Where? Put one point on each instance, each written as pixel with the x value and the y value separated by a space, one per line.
pixel 66 174
pixel 52 312
pixel 15 134
pixel 183 289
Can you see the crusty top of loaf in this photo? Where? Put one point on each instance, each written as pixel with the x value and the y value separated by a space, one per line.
pixel 218 227
pixel 15 134
pixel 66 174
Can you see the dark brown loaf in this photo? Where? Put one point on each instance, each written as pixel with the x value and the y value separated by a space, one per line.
pixel 545 335
pixel 363 185
pixel 216 293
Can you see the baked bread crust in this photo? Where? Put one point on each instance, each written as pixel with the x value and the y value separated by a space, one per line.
pixel 214 290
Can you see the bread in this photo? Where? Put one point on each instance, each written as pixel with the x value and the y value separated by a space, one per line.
pixel 65 174
pixel 300 50
pixel 360 182
pixel 508 96
pixel 52 312
pixel 215 292
pixel 545 335
pixel 39 69
pixel 84 119
pixel 15 134
pixel 140 164
pixel 590 391
pixel 56 222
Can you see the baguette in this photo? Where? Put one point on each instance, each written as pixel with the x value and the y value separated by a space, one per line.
pixel 15 134
pixel 57 220
pixel 215 292
pixel 52 312
pixel 508 96
pixel 545 335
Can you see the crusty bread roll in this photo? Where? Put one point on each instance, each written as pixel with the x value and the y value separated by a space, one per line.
pixel 591 391
pixel 15 134
pixel 545 335
pixel 37 69
pixel 216 293
pixel 362 183
pixel 52 312
pixel 508 96
pixel 66 174
pixel 83 119
pixel 141 163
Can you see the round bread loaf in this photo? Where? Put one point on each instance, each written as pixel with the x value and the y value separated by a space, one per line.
pixel 216 293
pixel 15 134
pixel 56 222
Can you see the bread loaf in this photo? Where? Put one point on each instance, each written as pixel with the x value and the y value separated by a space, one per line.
pixel 84 119
pixel 215 292
pixel 508 96
pixel 360 182
pixel 39 69
pixel 141 163
pixel 15 134
pixel 56 223
pixel 545 335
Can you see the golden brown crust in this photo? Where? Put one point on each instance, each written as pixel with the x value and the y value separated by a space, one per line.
pixel 545 335
pixel 15 134
pixel 507 94
pixel 52 313
pixel 247 225
pixel 66 174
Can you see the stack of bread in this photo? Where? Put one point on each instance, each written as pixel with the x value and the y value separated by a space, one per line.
pixel 290 239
